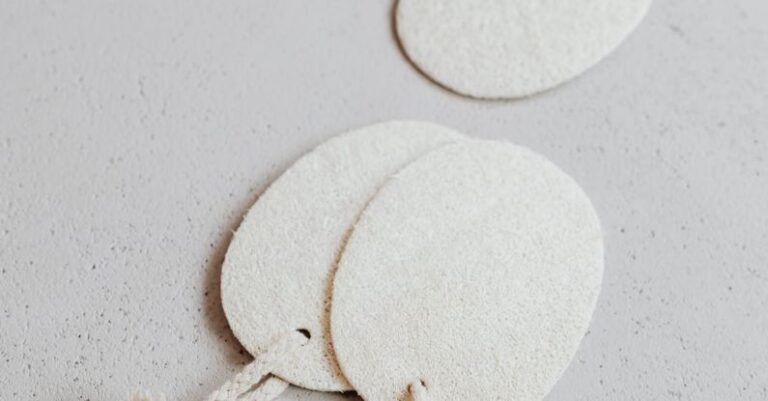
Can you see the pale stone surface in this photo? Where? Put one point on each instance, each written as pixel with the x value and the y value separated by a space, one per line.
pixel 134 136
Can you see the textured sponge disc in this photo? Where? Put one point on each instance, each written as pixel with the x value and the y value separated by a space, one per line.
pixel 475 270
pixel 276 275
pixel 512 48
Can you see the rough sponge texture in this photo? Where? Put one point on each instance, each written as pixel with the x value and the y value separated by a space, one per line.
pixel 475 270
pixel 512 48
pixel 276 274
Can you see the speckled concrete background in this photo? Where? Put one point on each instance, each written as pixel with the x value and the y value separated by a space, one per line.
pixel 135 134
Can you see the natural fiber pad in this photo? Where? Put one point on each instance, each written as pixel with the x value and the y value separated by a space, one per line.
pixel 512 48
pixel 276 275
pixel 474 271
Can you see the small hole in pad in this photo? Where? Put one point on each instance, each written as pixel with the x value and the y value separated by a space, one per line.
pixel 457 233
pixel 335 181
pixel 305 333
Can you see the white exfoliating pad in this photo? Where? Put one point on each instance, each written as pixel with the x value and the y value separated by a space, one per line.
pixel 475 270
pixel 277 272
pixel 512 48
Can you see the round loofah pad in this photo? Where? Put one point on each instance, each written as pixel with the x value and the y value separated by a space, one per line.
pixel 277 272
pixel 512 48
pixel 474 271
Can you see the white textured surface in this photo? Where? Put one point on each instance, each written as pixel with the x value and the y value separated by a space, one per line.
pixel 512 48
pixel 475 271
pixel 277 273
pixel 135 135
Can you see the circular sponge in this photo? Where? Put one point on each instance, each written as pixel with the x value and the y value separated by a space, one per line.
pixel 512 48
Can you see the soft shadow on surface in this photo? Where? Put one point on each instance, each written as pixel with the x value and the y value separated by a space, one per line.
pixel 212 307
pixel 213 311
pixel 404 54
pixel 300 394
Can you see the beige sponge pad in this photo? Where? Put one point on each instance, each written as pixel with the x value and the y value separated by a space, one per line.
pixel 512 48
pixel 277 272
pixel 474 270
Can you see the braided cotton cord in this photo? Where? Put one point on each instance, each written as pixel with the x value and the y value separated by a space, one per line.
pixel 255 382
pixel 418 391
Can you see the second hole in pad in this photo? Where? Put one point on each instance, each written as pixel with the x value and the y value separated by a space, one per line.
pixel 478 266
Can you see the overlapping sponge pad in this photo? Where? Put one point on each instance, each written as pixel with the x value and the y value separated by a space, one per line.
pixel 277 272
pixel 415 260
pixel 472 275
